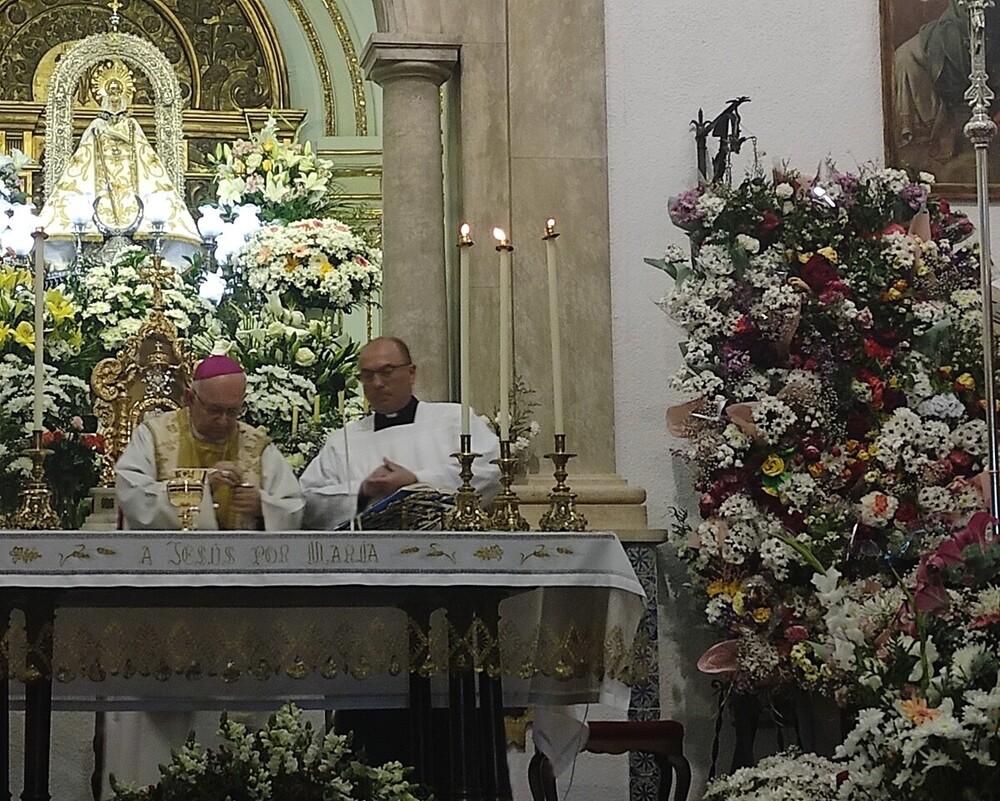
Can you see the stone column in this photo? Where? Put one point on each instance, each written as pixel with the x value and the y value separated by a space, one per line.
pixel 410 71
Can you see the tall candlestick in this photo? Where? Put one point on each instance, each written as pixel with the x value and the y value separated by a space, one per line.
pixel 504 248
pixel 464 243
pixel 39 326
pixel 295 420
pixel 550 261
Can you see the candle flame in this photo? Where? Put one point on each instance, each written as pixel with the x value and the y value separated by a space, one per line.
pixel 465 230
pixel 550 229
pixel 465 235
pixel 500 235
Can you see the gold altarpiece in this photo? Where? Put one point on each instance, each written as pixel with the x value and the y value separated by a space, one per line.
pixel 229 71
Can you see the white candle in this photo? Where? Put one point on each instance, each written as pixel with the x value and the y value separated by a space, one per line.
pixel 504 248
pixel 316 414
pixel 464 243
pixel 39 326
pixel 550 261
pixel 295 420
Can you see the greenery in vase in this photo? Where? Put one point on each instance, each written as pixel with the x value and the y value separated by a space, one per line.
pixel 523 429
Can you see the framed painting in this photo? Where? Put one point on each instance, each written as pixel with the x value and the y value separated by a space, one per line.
pixel 925 74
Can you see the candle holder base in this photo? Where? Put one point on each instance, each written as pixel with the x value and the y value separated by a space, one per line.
pixel 562 514
pixel 35 511
pixel 506 512
pixel 467 514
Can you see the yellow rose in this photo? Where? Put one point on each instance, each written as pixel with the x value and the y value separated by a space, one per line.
pixel 738 603
pixel 828 253
pixel 773 465
pixel 266 165
pixel 966 381
pixel 893 294
pixel 761 614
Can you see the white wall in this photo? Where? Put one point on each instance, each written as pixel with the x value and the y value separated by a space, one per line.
pixel 813 73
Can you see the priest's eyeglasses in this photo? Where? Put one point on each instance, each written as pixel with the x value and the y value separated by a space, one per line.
pixel 220 411
pixel 367 376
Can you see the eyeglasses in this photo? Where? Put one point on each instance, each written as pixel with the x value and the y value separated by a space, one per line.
pixel 382 372
pixel 219 411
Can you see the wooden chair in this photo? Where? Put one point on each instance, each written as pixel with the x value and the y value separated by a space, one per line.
pixel 664 739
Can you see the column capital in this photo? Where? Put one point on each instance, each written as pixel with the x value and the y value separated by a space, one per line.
pixel 388 56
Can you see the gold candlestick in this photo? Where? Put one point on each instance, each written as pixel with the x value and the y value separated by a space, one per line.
pixel 506 514
pixel 562 514
pixel 468 514
pixel 35 511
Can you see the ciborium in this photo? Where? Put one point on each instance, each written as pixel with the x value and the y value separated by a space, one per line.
pixel 185 492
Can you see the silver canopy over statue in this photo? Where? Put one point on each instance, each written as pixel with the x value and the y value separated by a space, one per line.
pixel 117 170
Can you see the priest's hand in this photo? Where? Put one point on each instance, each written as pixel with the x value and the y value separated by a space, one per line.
pixel 224 474
pixel 246 501
pixel 386 479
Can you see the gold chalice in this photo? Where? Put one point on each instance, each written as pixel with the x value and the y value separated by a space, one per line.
pixel 185 491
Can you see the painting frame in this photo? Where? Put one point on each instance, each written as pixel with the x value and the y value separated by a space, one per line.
pixel 924 75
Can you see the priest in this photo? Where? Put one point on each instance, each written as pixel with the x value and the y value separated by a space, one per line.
pixel 405 441
pixel 249 484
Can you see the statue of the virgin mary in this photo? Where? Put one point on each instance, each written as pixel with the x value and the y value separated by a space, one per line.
pixel 115 166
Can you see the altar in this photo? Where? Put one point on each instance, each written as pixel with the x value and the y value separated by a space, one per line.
pixel 108 613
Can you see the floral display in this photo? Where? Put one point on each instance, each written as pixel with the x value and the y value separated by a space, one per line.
pixel 920 661
pixel 71 469
pixel 783 777
pixel 286 181
pixel 116 297
pixel 286 759
pixel 313 263
pixel 833 361
pixel 63 336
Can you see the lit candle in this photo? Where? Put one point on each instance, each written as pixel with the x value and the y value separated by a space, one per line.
pixel 504 248
pixel 39 326
pixel 316 409
pixel 464 243
pixel 550 261
pixel 295 420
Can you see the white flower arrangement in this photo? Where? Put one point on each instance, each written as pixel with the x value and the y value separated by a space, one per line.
pixel 115 298
pixel 285 759
pixel 286 180
pixel 784 777
pixel 311 263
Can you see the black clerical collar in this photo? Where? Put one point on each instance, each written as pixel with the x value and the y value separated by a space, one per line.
pixel 403 417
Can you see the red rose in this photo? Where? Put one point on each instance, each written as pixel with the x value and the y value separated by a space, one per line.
pixel 945 207
pixel 893 228
pixel 879 353
pixel 818 272
pixel 769 221
pixel 796 634
pixel 906 512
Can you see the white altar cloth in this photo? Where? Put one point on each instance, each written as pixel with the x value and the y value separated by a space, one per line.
pixel 569 611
